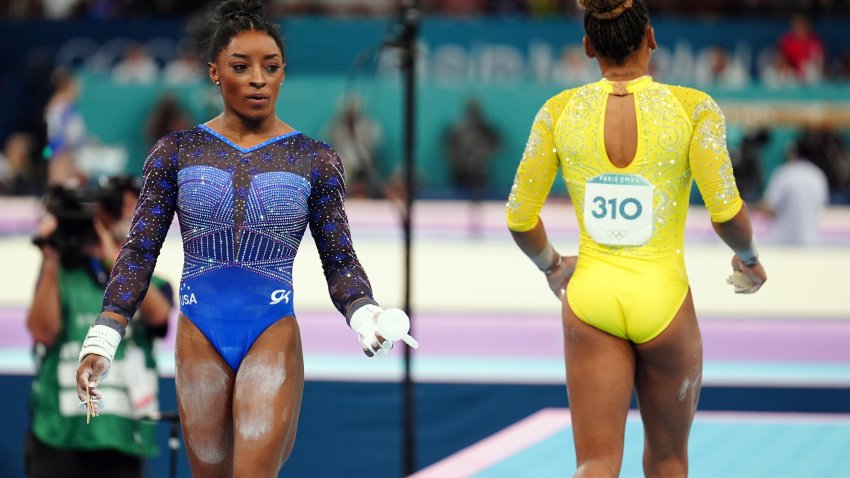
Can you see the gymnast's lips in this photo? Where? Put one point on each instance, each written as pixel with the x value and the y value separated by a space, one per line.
pixel 257 97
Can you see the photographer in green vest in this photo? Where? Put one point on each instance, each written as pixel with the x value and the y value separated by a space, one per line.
pixel 79 240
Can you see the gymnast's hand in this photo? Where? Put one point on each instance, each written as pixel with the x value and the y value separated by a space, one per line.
pixel 377 328
pixel 91 371
pixel 746 279
pixel 96 356
pixel 560 274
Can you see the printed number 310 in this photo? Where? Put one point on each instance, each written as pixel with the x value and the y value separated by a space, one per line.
pixel 629 208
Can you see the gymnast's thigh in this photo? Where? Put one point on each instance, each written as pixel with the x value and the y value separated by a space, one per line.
pixel 600 380
pixel 267 400
pixel 204 397
pixel 668 381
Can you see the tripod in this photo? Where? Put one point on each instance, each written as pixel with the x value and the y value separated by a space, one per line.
pixel 173 420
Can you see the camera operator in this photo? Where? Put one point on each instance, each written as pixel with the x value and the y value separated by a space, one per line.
pixel 79 240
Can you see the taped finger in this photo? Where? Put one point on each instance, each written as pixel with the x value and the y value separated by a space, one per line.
pixel 386 346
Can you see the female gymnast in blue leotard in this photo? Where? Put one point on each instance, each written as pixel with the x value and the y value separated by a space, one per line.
pixel 245 186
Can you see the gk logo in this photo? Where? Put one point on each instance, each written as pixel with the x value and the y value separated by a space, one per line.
pixel 280 295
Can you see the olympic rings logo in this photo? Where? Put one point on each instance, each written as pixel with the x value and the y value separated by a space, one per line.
pixel 618 234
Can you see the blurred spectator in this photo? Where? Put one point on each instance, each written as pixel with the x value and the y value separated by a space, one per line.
pixel 66 130
pixel 166 117
pixel 17 176
pixel 545 7
pixel 842 67
pixel 185 69
pixel 507 7
pixel 297 7
pixel 470 145
pixel 137 66
pixel 715 67
pixel 795 196
pixel 828 150
pixel 803 50
pixel 58 9
pixel 456 7
pixel 746 164
pixel 356 138
pixel 361 8
pixel 21 9
pixel 778 73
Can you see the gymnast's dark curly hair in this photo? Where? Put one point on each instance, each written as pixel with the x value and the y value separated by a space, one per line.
pixel 615 28
pixel 232 17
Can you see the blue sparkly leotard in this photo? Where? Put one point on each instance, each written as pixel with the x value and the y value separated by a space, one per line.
pixel 242 215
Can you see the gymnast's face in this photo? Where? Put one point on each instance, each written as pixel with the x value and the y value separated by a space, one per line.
pixel 250 72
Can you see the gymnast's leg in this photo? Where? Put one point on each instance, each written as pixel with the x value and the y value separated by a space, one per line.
pixel 668 381
pixel 267 401
pixel 204 397
pixel 600 382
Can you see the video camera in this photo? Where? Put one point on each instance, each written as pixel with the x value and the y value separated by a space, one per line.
pixel 74 209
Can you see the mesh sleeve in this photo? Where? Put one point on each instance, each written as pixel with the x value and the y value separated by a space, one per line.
pixel 710 163
pixel 535 175
pixel 347 281
pixel 131 275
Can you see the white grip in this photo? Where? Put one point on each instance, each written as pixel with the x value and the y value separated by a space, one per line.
pixel 370 321
pixel 393 324
pixel 101 340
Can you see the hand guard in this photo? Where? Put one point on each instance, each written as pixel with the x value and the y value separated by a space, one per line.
pixel 101 340
pixel 376 329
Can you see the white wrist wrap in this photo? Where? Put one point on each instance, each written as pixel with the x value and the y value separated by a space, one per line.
pixel 748 256
pixel 364 325
pixel 101 340
pixel 363 320
pixel 544 260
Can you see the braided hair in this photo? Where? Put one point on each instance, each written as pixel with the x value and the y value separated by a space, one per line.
pixel 615 28
pixel 232 17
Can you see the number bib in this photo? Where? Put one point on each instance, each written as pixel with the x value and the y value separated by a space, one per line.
pixel 618 209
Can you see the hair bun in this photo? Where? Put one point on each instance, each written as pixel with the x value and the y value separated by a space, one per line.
pixel 605 9
pixel 238 8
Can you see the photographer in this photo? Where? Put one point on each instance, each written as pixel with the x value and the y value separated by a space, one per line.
pixel 80 239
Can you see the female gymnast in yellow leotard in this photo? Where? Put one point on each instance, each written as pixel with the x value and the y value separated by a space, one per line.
pixel 628 149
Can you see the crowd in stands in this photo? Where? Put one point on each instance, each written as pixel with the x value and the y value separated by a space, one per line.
pixel 60 9
pixel 798 58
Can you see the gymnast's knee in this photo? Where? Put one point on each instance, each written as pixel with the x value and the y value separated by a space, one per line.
pixel 670 467
pixel 597 469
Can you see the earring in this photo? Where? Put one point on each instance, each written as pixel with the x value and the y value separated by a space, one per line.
pixel 216 82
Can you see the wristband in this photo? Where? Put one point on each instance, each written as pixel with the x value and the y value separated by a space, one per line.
pixel 544 261
pixel 748 256
pixel 112 324
pixel 555 265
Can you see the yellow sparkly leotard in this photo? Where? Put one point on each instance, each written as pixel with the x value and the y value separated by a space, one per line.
pixel 630 279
